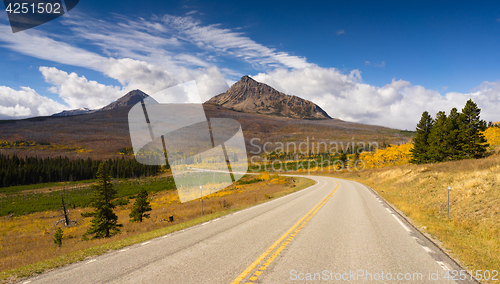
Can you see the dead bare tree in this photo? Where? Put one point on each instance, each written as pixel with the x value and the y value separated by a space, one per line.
pixel 65 214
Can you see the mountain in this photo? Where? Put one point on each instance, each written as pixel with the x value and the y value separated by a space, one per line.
pixel 104 133
pixel 248 95
pixel 82 110
pixel 130 99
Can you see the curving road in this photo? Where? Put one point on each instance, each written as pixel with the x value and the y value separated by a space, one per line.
pixel 334 231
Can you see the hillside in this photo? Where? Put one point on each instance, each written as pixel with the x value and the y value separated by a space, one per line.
pixel 248 95
pixel 102 134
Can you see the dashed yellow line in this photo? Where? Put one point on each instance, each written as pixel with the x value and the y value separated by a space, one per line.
pixel 284 240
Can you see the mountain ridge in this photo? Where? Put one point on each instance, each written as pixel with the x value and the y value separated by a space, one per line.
pixel 129 99
pixel 248 95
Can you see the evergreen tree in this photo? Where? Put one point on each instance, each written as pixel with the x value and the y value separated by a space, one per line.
pixel 420 151
pixel 437 151
pixel 472 140
pixel 58 237
pixel 104 223
pixel 140 207
pixel 451 132
pixel 343 159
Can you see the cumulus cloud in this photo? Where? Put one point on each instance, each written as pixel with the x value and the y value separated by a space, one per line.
pixel 78 91
pixel 25 103
pixel 210 83
pixel 134 74
pixel 398 104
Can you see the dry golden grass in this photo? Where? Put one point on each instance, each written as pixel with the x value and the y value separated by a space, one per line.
pixel 25 240
pixel 472 234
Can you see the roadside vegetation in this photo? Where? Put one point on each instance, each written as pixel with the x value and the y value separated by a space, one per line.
pixel 31 243
pixel 458 151
pixel 472 233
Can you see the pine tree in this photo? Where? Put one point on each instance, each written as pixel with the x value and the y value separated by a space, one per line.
pixel 472 140
pixel 104 223
pixel 58 237
pixel 451 131
pixel 420 151
pixel 140 207
pixel 437 151
pixel 343 159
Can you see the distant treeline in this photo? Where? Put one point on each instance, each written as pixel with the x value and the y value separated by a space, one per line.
pixel 454 137
pixel 31 170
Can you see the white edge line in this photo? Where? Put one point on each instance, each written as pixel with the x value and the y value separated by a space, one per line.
pixel 125 249
pixel 26 282
pixel 401 223
pixel 146 243
pixel 164 236
pixel 388 210
pixel 443 265
pixel 427 249
pixel 90 261
pixel 215 219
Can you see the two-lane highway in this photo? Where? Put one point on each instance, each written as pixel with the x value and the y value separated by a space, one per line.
pixel 334 231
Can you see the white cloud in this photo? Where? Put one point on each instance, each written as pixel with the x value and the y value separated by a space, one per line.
pixel 134 74
pixel 77 91
pixel 210 83
pixel 381 64
pixel 38 45
pixel 398 104
pixel 167 39
pixel 157 53
pixel 25 103
pixel 228 42
pixel 340 32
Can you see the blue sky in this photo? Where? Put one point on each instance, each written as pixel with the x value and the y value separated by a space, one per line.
pixel 376 62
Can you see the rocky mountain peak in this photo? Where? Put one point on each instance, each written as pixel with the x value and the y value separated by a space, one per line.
pixel 248 95
pixel 129 99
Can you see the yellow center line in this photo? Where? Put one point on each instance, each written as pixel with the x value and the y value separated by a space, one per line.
pixel 288 236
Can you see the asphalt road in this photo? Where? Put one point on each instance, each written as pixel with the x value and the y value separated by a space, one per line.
pixel 334 231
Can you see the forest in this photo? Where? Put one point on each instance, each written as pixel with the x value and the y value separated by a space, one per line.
pixel 16 170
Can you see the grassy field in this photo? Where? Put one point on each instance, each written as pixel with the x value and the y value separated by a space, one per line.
pixel 472 233
pixel 26 241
